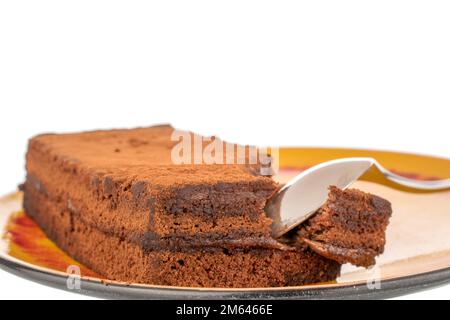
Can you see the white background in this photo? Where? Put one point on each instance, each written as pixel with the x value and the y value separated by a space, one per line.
pixel 371 74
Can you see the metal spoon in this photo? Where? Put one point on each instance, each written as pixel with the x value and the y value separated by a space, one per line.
pixel 299 199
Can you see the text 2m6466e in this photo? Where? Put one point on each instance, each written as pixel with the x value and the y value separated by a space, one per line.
pixel 246 309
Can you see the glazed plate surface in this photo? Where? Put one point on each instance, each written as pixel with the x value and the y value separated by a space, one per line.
pixel 417 254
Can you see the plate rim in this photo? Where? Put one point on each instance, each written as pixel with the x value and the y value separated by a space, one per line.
pixel 112 289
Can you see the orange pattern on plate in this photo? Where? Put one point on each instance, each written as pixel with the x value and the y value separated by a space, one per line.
pixel 27 242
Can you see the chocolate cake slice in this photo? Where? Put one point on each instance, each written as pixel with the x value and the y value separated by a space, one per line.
pixel 349 228
pixel 115 201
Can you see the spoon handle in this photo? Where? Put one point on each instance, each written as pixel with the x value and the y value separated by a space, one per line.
pixel 379 174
